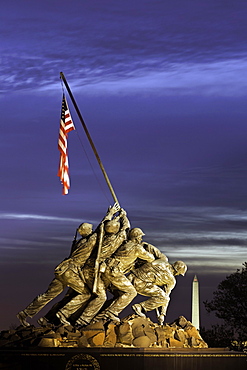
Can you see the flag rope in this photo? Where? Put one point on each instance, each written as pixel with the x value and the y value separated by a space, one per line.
pixel 91 166
pixel 89 138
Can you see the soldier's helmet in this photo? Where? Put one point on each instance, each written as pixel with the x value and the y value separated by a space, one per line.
pixel 135 232
pixel 85 229
pixel 180 267
pixel 112 226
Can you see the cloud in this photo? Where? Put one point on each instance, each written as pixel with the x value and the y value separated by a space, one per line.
pixel 198 235
pixel 223 78
pixel 21 245
pixel 127 47
pixel 13 216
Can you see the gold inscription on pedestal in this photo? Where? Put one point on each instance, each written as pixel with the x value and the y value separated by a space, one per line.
pixel 82 362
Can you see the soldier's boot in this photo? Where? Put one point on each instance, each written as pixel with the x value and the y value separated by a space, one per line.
pixel 81 322
pixel 42 321
pixel 137 308
pixel 161 319
pixel 62 318
pixel 112 317
pixel 22 315
pixel 106 316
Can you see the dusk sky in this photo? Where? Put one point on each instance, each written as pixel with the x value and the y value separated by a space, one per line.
pixel 162 87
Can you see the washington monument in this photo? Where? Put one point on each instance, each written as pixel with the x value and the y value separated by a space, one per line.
pixel 195 303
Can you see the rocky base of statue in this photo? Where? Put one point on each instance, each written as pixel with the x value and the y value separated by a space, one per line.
pixel 132 332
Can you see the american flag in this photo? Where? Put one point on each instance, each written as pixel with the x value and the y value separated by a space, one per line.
pixel 66 125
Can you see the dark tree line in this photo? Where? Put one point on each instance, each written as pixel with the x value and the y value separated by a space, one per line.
pixel 229 303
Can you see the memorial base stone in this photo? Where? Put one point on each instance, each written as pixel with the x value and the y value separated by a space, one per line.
pixel 121 359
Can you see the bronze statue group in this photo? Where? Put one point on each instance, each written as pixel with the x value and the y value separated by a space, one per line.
pixel 112 258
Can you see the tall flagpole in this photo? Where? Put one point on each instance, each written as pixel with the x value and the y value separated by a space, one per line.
pixel 89 138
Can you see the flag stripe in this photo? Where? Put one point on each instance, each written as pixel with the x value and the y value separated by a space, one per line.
pixel 66 125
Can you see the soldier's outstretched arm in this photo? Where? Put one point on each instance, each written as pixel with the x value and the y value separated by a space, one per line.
pixel 124 220
pixel 112 210
pixel 155 251
pixel 122 217
pixel 144 255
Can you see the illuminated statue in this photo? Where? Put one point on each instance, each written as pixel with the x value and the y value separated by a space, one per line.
pixel 101 260
pixel 155 280
pixel 122 262
pixel 68 272
pixel 115 233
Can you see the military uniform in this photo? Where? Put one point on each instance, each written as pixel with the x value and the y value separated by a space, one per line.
pixel 122 262
pixel 149 279
pixel 110 244
pixel 67 274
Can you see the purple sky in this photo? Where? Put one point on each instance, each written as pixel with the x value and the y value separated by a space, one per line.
pixel 162 88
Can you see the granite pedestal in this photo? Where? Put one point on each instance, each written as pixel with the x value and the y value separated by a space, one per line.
pixel 121 359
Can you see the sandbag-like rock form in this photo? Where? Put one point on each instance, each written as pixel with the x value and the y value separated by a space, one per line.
pixel 132 331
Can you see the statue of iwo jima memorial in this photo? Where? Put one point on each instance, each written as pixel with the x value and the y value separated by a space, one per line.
pixel 84 329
